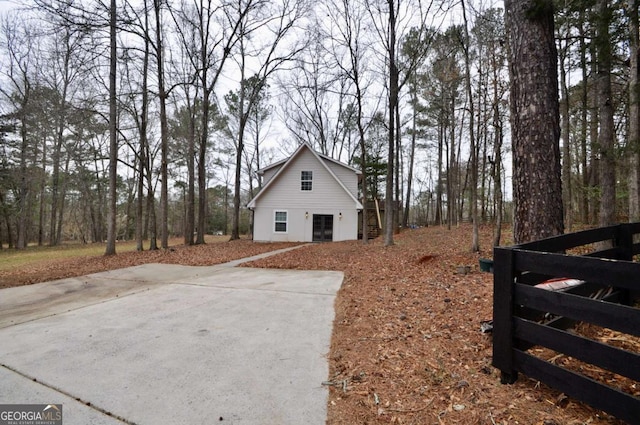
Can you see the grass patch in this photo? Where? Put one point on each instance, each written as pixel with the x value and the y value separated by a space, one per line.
pixel 11 259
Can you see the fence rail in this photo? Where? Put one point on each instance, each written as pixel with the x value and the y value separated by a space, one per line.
pixel 526 315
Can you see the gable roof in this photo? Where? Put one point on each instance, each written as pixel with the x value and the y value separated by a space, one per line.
pixel 319 157
pixel 318 154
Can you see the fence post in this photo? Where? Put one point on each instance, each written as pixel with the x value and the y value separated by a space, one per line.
pixel 503 287
pixel 624 242
pixel 624 246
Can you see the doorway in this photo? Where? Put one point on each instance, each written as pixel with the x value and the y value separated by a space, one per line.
pixel 322 228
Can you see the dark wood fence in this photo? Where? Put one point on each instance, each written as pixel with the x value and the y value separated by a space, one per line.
pixel 525 315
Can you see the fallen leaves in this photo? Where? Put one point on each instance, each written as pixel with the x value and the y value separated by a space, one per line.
pixel 197 255
pixel 407 346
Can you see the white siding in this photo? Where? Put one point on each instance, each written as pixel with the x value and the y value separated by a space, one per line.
pixel 326 197
pixel 348 177
pixel 268 174
pixel 300 224
pixel 285 192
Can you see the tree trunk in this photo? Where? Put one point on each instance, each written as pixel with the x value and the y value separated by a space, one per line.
pixel 537 184
pixel 634 115
pixel 190 218
pixel 475 240
pixel 113 140
pixel 202 169
pixel 7 221
pixel 438 209
pixel 139 199
pixel 566 150
pixel 23 192
pixel 363 148
pixel 605 107
pixel 57 202
pixel 235 228
pixel 164 134
pixel 584 97
pixel 43 186
pixel 55 181
pixel 594 114
pixel 412 153
pixel 497 151
pixel 63 195
pixel 98 207
pixel 151 210
pixel 399 167
pixel 204 137
pixel 393 104
pixel 144 142
pixel 453 178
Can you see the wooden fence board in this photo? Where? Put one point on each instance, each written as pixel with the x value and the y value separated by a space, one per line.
pixel 502 313
pixel 614 316
pixel 622 274
pixel 518 304
pixel 620 404
pixel 570 240
pixel 599 354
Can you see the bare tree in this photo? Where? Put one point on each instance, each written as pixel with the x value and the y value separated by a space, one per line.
pixel 271 52
pixel 62 72
pixel 314 93
pixel 416 45
pixel 349 36
pixel 389 25
pixel 113 135
pixel 19 39
pixel 217 29
pixel 139 111
pixel 164 129
pixel 387 30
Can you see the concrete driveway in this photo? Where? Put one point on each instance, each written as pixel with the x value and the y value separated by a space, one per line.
pixel 166 344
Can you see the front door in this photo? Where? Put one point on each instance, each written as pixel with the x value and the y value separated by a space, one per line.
pixel 322 228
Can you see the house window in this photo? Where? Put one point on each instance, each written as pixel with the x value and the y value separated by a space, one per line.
pixel 281 222
pixel 306 180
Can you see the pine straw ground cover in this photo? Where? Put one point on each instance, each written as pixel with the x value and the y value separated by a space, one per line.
pixel 406 345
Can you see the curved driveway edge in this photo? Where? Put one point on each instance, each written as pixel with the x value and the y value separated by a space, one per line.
pixel 174 345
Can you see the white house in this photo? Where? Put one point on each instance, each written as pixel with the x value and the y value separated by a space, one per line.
pixel 308 197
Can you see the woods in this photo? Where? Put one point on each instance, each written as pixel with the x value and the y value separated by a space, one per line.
pixel 145 120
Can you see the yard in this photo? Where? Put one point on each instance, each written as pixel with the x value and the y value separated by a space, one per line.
pixel 407 346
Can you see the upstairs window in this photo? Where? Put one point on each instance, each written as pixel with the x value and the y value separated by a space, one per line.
pixel 280 222
pixel 306 180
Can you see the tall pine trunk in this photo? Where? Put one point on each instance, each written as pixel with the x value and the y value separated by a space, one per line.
pixel 113 140
pixel 584 101
pixel 393 104
pixel 566 149
pixel 537 184
pixel 144 143
pixel 190 219
pixel 606 134
pixel 497 166
pixel 164 134
pixel 412 154
pixel 475 238
pixel 634 115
